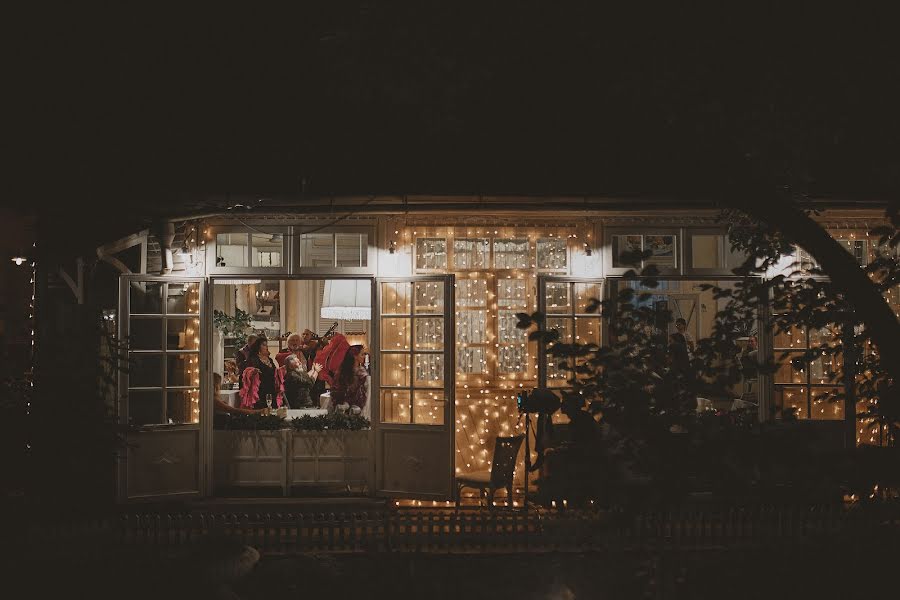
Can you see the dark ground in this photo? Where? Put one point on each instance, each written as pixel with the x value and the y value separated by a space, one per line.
pixel 823 569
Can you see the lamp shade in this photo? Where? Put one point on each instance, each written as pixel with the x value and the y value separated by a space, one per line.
pixel 347 299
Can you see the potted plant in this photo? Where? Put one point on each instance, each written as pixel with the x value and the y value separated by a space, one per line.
pixel 232 327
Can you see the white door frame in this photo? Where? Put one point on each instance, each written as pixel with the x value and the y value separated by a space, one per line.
pixel 397 437
pixel 168 453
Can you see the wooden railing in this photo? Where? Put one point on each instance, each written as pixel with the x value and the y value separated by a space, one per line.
pixel 445 531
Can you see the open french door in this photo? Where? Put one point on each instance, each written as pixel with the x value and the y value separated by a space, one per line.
pixel 564 301
pixel 160 387
pixel 413 407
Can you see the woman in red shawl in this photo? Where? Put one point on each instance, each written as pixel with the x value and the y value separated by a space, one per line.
pixel 343 370
pixel 349 386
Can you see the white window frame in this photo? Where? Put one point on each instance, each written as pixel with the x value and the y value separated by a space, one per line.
pixel 286 251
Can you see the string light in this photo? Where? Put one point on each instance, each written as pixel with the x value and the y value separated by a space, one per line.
pixel 496 270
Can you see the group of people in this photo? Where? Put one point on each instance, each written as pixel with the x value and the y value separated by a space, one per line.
pixel 297 376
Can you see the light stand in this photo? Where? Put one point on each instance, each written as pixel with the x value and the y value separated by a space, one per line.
pixel 527 460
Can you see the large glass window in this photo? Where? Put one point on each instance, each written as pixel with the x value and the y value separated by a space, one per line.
pixel 164 359
pixel 334 249
pixel 252 249
pixel 806 392
pixel 565 304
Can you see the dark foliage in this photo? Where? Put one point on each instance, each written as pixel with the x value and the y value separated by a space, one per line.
pixel 635 403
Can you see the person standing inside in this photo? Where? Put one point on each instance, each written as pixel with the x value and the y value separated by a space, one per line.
pixel 309 347
pixel 242 357
pixel 259 388
pixel 294 348
pixel 681 327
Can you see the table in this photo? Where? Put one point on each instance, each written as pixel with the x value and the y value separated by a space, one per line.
pixel 231 397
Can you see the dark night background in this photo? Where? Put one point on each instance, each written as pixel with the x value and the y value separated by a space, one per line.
pixel 121 111
pixel 118 113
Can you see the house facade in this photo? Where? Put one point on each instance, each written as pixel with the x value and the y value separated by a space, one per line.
pixel 436 284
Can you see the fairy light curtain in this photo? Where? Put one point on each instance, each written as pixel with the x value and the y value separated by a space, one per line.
pixel 496 266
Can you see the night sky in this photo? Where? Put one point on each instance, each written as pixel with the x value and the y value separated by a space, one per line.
pixel 120 108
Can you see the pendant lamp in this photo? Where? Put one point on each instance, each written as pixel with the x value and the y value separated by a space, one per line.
pixel 347 299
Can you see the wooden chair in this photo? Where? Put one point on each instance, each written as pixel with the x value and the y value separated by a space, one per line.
pixel 503 467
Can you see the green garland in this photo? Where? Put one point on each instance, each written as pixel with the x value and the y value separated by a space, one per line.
pixel 331 422
pixel 248 422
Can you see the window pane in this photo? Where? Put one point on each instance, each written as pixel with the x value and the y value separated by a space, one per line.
pixel 145 297
pixel 470 253
pixel 706 251
pixel 183 298
pixel 395 406
pixel 429 296
pixel 395 370
pixel 824 406
pixel 145 334
pixel 471 326
pixel 563 326
pixel 511 293
pixel 551 253
pixel 626 249
pixel 557 377
pixel 791 398
pixel 662 251
pixel 787 374
pixel 231 249
pixel 183 370
pixel 183 334
pixel 587 330
pixel 794 338
pixel 317 250
pixel 823 370
pixel 507 332
pixel 395 333
pixel 395 298
pixel 352 249
pixel 428 408
pixel 268 249
pixel 470 361
pixel 183 406
pixel 471 293
pixel 557 297
pixel 511 254
pixel 431 254
pixel 585 294
pixel 145 407
pixel 429 370
pixel 512 359
pixel 429 333
pixel 145 370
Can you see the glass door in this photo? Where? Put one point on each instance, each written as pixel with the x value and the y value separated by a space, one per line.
pixel 565 302
pixel 160 386
pixel 414 414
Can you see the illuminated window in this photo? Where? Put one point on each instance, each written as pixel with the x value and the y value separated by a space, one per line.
pixel 164 353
